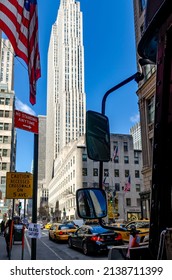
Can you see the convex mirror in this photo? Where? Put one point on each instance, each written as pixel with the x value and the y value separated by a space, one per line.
pixel 91 203
pixel 97 136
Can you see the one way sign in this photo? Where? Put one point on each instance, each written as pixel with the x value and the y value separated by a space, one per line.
pixel 25 121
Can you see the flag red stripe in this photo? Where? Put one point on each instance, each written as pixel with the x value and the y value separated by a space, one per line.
pixel 21 27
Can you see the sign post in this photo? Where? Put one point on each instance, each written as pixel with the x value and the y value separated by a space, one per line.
pixel 30 123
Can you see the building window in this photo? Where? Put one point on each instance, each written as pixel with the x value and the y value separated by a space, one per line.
pixel 84 171
pixel 127 173
pixel 95 171
pixel 126 159
pixel 117 187
pixel 4 166
pixel 84 157
pixel 138 202
pixel 125 145
pixel 106 173
pixel 136 158
pixel 137 187
pixel 116 159
pixel 137 174
pixel 84 184
pixel 3 180
pixel 116 172
pixel 2 100
pixel 95 185
pixel 6 126
pixel 5 139
pixel 128 201
pixel 7 114
pixel 4 152
pixel 7 101
pixel 151 109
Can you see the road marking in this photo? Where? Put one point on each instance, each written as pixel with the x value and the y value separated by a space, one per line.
pixel 51 250
pixel 28 245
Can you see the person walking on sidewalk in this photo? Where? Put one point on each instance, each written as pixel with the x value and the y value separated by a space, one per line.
pixel 8 234
pixel 2 227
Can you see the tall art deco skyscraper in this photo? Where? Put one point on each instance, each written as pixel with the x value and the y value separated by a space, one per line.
pixel 65 85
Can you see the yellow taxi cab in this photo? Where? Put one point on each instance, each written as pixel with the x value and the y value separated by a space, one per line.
pixel 48 225
pixel 141 225
pixel 61 232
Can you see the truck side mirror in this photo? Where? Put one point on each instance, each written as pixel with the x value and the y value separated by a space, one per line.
pixel 91 203
pixel 97 136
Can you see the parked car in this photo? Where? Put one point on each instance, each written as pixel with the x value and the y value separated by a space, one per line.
pixel 61 232
pixel 141 225
pixel 94 239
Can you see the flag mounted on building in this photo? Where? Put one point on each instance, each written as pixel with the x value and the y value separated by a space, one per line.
pixel 115 153
pixel 19 21
pixel 128 185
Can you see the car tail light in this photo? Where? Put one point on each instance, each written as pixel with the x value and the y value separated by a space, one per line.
pixel 96 238
pixel 61 232
pixel 118 237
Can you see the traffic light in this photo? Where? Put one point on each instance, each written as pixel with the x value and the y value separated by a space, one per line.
pixel 20 205
pixel 111 199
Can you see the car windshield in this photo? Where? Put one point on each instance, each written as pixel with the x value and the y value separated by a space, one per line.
pixel 100 230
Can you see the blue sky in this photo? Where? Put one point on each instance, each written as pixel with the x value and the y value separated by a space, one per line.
pixel 110 57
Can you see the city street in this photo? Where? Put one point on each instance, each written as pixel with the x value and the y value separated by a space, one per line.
pixel 46 250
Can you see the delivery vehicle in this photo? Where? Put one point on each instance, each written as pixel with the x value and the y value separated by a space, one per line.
pixel 154 47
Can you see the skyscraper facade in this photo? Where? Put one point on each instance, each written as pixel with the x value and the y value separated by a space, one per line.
pixel 7 131
pixel 7 64
pixel 65 83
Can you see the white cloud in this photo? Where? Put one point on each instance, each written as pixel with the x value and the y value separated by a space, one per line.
pixel 23 107
pixel 135 118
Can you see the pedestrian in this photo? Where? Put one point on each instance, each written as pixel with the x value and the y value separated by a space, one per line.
pixel 8 233
pixel 2 227
pixel 134 240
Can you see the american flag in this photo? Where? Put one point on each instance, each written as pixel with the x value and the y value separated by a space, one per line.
pixel 19 21
pixel 115 153
pixel 128 185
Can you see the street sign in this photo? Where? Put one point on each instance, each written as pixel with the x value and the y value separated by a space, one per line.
pixel 25 121
pixel 19 185
pixel 34 231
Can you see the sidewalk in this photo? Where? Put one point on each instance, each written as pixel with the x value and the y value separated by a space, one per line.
pixel 16 253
